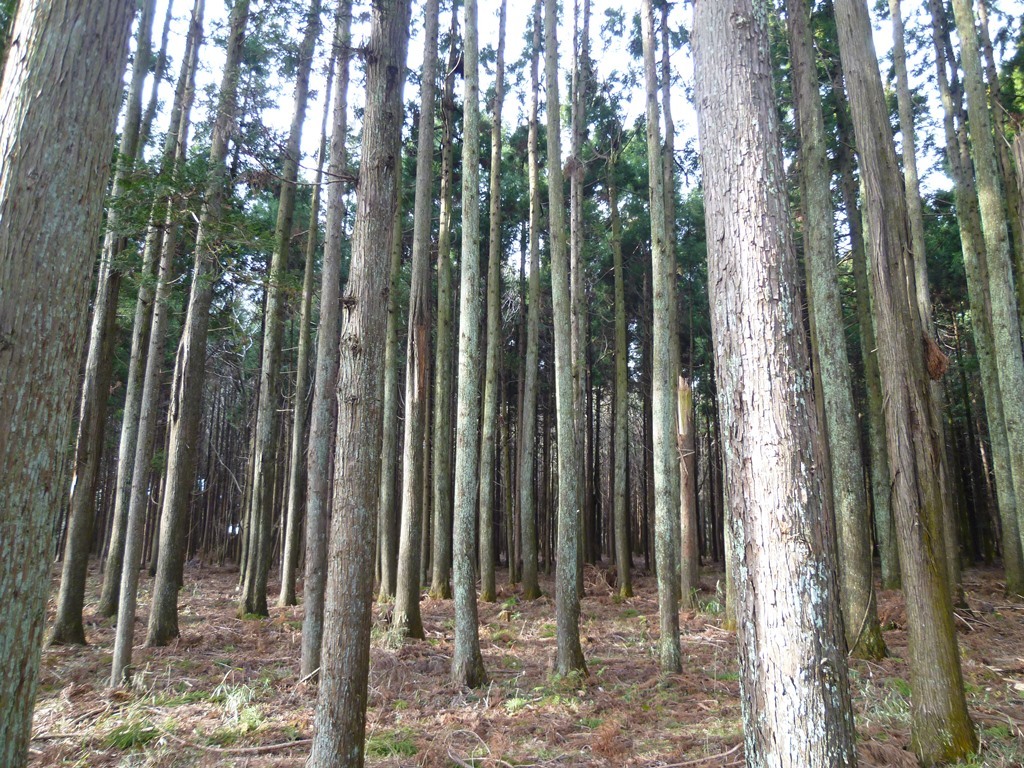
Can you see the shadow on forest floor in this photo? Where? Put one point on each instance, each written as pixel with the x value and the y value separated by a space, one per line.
pixel 227 694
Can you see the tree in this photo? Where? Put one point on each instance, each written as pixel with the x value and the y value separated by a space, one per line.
pixel 467 661
pixel 567 602
pixel 190 363
pixel 323 414
pixel 58 106
pixel 340 719
pixel 666 463
pixel 407 596
pixel 795 693
pixel 940 727
pixel 849 497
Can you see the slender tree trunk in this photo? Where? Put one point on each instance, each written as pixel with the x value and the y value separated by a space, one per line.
pixel 567 602
pixel 58 107
pixel 941 729
pixel 528 411
pixel 92 420
pixel 406 616
pixel 440 587
pixel 689 546
pixel 795 692
pixel 323 416
pixel 849 496
pixel 254 597
pixel 190 364
pixel 297 462
pixel 492 378
pixel 340 720
pixel 467 661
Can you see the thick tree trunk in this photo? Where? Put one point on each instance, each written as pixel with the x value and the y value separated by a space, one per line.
pixel 941 729
pixel 528 411
pixel 340 720
pixel 440 587
pixel 190 364
pixel 92 415
pixel 323 414
pixel 467 661
pixel 849 496
pixel 663 398
pixel 795 692
pixel 492 378
pixel 406 616
pixel 567 601
pixel 254 595
pixel 58 106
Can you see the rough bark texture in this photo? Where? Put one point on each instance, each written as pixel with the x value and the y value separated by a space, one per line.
pixel 467 661
pixel 528 417
pixel 92 413
pixel 941 730
pixel 620 420
pixel 663 398
pixel 795 692
pixel 440 586
pixel 254 597
pixel 1002 303
pixel 407 597
pixel 190 365
pixel 569 657
pixel 58 104
pixel 340 719
pixel 322 413
pixel 492 378
pixel 849 496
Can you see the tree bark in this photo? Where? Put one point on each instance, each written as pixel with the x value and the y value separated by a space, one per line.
pixel 58 105
pixel 340 719
pixel 620 485
pixel 795 692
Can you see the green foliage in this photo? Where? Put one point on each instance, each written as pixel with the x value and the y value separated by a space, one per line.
pixel 390 744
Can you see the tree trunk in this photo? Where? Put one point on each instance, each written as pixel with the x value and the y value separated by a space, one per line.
pixel 940 727
pixel 340 720
pixel 190 364
pixel 792 667
pixel 849 497
pixel 58 106
pixel 467 661
pixel 567 602
pixel 323 415
pixel 92 416
pixel 492 378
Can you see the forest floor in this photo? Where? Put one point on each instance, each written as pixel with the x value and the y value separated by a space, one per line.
pixel 227 692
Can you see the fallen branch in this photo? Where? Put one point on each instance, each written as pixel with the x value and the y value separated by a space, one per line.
pixel 702 760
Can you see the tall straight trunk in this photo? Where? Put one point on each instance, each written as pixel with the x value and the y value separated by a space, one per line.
pixel 689 546
pixel 528 410
pixel 254 595
pixel 467 661
pixel 849 496
pixel 567 601
pixel 297 460
pixel 190 364
pixel 663 379
pixel 440 587
pixel 916 215
pixel 387 512
pixel 92 418
pixel 795 692
pixel 1006 328
pixel 58 107
pixel 976 269
pixel 159 67
pixel 941 729
pixel 340 720
pixel 492 378
pixel 620 419
pixel 323 414
pixel 142 478
pixel 406 615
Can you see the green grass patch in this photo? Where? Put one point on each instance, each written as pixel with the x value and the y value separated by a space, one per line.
pixel 391 744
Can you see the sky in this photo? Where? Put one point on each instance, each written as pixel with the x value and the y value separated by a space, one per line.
pixel 610 54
